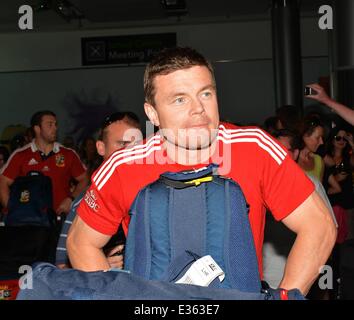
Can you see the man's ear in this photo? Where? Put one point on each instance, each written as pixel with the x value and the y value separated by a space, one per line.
pixel 101 148
pixel 37 130
pixel 151 113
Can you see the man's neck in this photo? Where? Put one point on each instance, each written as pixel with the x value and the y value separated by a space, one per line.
pixel 188 157
pixel 44 146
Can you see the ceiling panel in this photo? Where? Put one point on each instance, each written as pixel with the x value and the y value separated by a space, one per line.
pixel 138 12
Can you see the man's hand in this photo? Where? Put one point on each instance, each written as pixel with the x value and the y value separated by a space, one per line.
pixel 343 111
pixel 5 184
pixel 64 206
pixel 63 266
pixel 115 257
pixel 321 95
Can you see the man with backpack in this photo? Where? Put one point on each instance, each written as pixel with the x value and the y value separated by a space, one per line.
pixel 180 98
pixel 48 157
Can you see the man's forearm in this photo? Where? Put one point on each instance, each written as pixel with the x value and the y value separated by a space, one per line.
pixel 4 193
pixel 343 111
pixel 5 198
pixel 308 254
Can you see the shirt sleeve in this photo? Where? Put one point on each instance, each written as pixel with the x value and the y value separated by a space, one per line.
pixel 12 168
pixel 77 167
pixel 103 209
pixel 284 186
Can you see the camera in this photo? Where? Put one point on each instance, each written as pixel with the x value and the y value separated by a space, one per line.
pixel 309 91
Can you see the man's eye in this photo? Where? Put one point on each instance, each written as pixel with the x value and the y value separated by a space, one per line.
pixel 180 100
pixel 206 94
pixel 123 143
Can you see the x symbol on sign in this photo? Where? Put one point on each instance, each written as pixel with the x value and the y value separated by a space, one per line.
pixel 95 51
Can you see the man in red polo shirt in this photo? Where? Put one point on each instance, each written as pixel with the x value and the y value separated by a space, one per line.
pixel 46 155
pixel 180 98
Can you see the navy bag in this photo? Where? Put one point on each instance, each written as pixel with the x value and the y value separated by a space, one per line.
pixel 31 201
pixel 52 283
pixel 31 230
pixel 186 215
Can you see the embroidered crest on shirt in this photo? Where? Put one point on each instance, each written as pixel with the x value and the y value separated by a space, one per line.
pixel 25 196
pixel 60 160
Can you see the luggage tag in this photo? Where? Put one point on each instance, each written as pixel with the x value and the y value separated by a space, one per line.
pixel 202 272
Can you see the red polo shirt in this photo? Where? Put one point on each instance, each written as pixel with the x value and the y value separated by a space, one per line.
pixel 60 165
pixel 268 177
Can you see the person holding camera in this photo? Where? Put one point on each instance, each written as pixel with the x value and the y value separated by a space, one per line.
pixel 316 92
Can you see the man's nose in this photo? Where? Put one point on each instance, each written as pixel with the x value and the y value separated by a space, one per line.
pixel 197 106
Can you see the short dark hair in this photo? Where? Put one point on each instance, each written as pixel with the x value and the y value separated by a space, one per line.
pixel 270 124
pixel 295 140
pixel 127 116
pixel 289 116
pixel 36 119
pixel 169 60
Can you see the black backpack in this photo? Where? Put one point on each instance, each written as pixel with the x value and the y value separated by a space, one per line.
pixel 31 201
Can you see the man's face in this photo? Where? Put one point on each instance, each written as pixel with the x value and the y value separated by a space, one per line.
pixel 48 129
pixel 186 108
pixel 118 135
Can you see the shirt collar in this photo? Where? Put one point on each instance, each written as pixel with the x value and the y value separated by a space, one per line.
pixel 56 147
